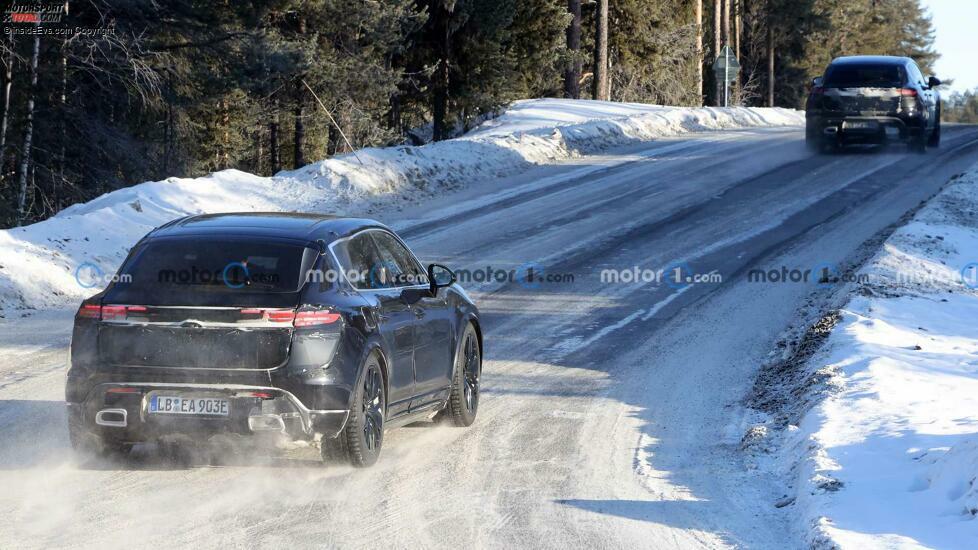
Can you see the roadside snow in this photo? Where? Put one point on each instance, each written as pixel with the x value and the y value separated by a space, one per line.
pixel 629 120
pixel 40 264
pixel 888 455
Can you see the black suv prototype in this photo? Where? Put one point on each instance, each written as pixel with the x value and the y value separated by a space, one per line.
pixel 873 99
pixel 298 324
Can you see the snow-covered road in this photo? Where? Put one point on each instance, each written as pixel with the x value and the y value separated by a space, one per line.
pixel 612 413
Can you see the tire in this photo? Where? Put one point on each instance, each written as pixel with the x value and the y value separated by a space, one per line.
pixel 177 452
pixel 935 137
pixel 918 144
pixel 812 140
pixel 87 444
pixel 361 440
pixel 463 403
pixel 815 145
pixel 829 147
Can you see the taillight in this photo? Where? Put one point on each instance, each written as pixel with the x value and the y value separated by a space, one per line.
pixel 113 313
pixel 271 315
pixel 280 316
pixel 89 311
pixel 107 313
pixel 120 313
pixel 312 318
pixel 295 318
pixel 908 92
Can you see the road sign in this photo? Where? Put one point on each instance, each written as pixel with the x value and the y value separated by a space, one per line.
pixel 726 68
pixel 726 61
pixel 726 76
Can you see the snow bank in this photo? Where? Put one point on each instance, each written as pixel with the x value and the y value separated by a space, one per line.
pixel 889 456
pixel 39 264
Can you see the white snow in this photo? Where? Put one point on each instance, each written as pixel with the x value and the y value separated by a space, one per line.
pixel 889 459
pixel 38 263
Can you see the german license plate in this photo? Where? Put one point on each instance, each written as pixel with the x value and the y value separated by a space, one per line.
pixel 860 125
pixel 208 406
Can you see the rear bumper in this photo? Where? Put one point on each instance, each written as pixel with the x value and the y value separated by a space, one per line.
pixel 305 398
pixel 866 129
pixel 125 416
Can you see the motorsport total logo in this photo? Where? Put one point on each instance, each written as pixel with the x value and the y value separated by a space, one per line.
pixel 49 19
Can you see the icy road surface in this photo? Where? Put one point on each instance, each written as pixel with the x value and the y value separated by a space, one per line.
pixel 612 413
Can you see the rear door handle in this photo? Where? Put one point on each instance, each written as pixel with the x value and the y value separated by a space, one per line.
pixel 419 312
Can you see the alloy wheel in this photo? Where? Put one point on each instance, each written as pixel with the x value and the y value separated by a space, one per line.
pixel 471 371
pixel 373 409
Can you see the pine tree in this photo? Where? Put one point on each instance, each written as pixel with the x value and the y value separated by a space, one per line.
pixel 699 51
pixel 651 46
pixel 572 74
pixel 601 82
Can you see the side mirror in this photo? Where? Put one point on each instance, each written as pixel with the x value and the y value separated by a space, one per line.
pixel 439 276
pixel 817 82
pixel 933 82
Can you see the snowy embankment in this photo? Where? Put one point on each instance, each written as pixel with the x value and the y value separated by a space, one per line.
pixel 887 455
pixel 38 263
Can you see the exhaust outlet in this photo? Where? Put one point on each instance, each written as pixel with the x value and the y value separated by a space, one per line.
pixel 112 418
pixel 266 423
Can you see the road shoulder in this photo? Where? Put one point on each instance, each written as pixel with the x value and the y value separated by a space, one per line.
pixel 870 418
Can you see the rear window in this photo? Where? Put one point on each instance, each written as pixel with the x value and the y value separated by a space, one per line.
pixel 865 76
pixel 181 271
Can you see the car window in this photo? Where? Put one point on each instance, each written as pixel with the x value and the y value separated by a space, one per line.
pixel 916 76
pixel 401 263
pixel 865 76
pixel 358 258
pixel 212 272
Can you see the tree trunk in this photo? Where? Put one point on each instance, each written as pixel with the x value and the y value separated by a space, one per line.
pixel 394 119
pixel 770 64
pixel 724 85
pixel 332 140
pixel 738 8
pixel 699 52
pixel 259 152
pixel 601 87
pixel 440 80
pixel 717 44
pixel 62 124
pixel 225 162
pixel 273 141
pixel 7 82
pixel 572 74
pixel 717 29
pixel 738 25
pixel 300 131
pixel 394 114
pixel 726 22
pixel 28 135
pixel 167 137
